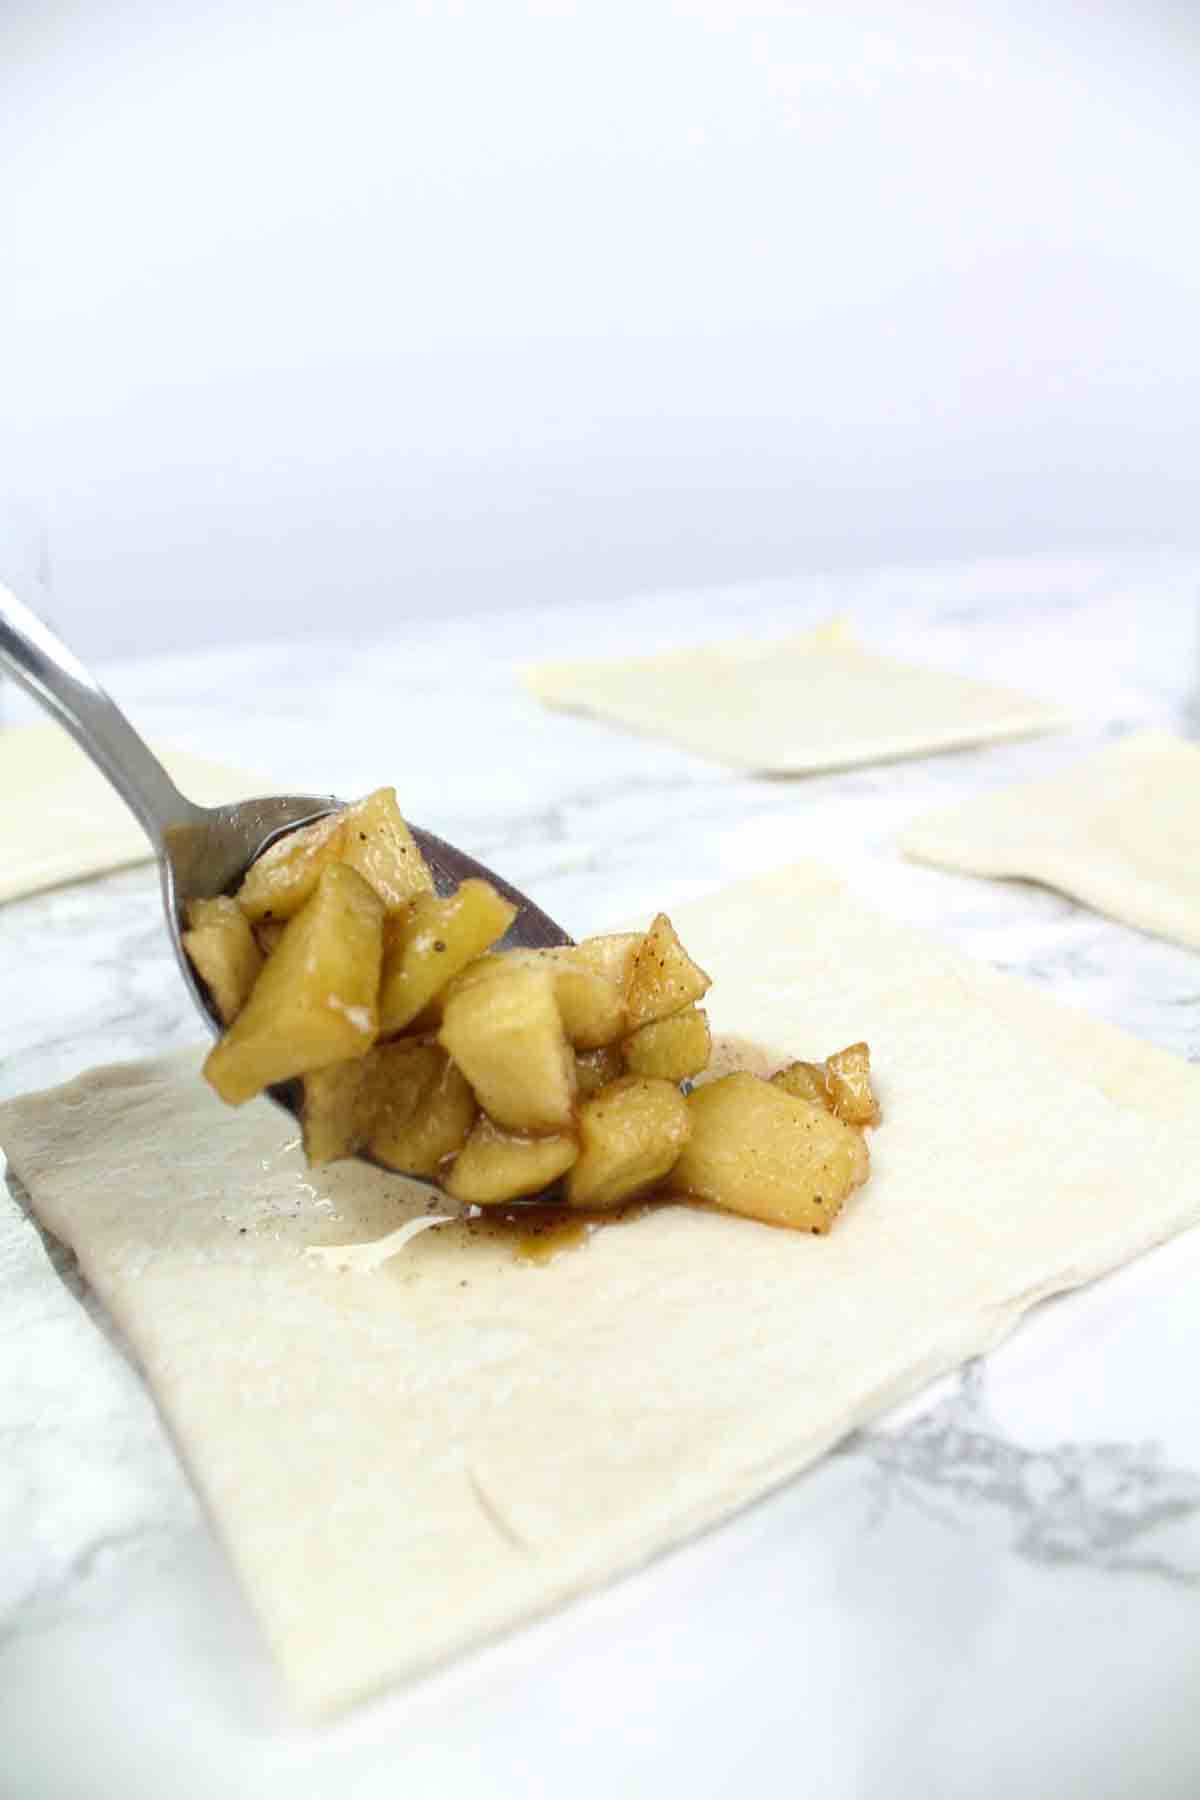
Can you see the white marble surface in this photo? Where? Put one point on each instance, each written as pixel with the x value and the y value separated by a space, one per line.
pixel 997 1591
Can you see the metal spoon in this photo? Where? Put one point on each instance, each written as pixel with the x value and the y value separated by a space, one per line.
pixel 201 850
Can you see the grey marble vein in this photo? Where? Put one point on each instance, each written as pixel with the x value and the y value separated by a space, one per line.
pixel 1108 1506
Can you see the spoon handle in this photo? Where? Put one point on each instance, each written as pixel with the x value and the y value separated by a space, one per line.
pixel 30 652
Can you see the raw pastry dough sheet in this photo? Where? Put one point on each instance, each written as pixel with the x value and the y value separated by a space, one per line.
pixel 1119 830
pixel 406 1461
pixel 795 706
pixel 60 820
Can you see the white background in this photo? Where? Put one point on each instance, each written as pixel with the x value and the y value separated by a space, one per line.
pixel 321 314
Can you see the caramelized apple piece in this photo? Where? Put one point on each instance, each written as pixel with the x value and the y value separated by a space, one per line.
pixel 610 955
pixel 378 843
pixel 805 1081
pixel 316 999
pixel 505 1033
pixel 848 1078
pixel 423 1107
pixel 591 1009
pixel 664 979
pixel 280 881
pixel 338 1108
pixel 268 934
pixel 595 1069
pixel 223 952
pixel 430 942
pixel 631 1134
pixel 495 1165
pixel 674 1049
pixel 759 1151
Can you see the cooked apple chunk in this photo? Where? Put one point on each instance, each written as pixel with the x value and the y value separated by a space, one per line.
pixel 495 1165
pixel 842 1084
pixel 284 877
pixel 591 1006
pixel 505 1033
pixel 805 1081
pixel 848 1078
pixel 268 934
pixel 338 1108
pixel 423 1107
pixel 221 946
pixel 610 955
pixel 592 1010
pixel 664 979
pixel 378 843
pixel 595 1069
pixel 316 999
pixel 430 942
pixel 674 1049
pixel 631 1134
pixel 757 1150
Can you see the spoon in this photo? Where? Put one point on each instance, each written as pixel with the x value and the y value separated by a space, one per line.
pixel 203 851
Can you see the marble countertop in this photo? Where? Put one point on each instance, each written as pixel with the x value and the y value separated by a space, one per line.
pixel 994 1591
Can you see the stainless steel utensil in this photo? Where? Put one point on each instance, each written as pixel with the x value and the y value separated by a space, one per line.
pixel 201 850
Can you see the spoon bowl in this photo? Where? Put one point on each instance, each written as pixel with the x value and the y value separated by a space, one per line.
pixel 204 851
